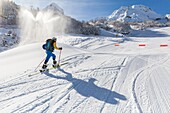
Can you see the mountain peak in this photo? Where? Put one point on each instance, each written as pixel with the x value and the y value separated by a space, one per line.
pixel 134 13
pixel 54 7
pixel 168 16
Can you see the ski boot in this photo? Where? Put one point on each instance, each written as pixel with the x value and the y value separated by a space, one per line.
pixel 55 65
pixel 44 68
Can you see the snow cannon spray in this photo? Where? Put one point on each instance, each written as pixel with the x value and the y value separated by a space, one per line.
pixel 40 25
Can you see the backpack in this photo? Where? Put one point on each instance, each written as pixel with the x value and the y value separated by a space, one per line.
pixel 48 45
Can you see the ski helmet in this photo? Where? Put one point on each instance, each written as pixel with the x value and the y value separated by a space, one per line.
pixel 54 38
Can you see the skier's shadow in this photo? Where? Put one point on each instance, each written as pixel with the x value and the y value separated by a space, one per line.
pixel 89 89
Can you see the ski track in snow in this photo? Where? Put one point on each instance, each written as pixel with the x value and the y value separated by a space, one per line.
pixel 139 73
pixel 159 93
pixel 84 99
pixel 93 82
pixel 47 97
pixel 25 81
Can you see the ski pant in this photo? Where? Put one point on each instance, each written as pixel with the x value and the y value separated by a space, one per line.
pixel 49 54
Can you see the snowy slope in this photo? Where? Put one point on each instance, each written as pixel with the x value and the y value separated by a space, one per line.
pixel 98 77
pixel 25 57
pixel 134 13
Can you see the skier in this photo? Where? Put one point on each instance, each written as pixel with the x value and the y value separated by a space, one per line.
pixel 49 47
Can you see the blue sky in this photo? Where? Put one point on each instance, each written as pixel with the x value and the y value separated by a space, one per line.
pixel 90 9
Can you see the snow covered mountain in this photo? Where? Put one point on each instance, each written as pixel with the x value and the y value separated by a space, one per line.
pixel 168 16
pixel 54 8
pixel 134 13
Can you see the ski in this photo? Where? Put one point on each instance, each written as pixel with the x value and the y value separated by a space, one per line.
pixel 42 71
pixel 47 70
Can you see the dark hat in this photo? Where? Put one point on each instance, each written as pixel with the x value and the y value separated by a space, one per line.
pixel 54 38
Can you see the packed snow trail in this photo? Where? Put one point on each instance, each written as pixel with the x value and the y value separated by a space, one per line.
pixel 62 91
pixel 67 84
pixel 98 78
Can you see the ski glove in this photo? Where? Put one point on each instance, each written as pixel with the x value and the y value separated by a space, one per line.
pixel 60 48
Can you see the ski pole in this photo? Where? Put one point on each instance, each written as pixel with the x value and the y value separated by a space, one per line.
pixel 39 64
pixel 59 58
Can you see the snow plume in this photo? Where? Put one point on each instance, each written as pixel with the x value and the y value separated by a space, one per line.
pixel 1 10
pixel 40 26
pixel 1 4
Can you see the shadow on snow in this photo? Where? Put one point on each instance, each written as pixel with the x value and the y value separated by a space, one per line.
pixel 89 89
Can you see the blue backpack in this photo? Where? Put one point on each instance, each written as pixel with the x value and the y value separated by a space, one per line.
pixel 48 45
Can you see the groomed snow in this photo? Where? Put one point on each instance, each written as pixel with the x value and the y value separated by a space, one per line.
pixel 98 77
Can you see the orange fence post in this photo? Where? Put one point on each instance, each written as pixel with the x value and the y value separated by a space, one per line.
pixel 142 44
pixel 117 45
pixel 163 45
